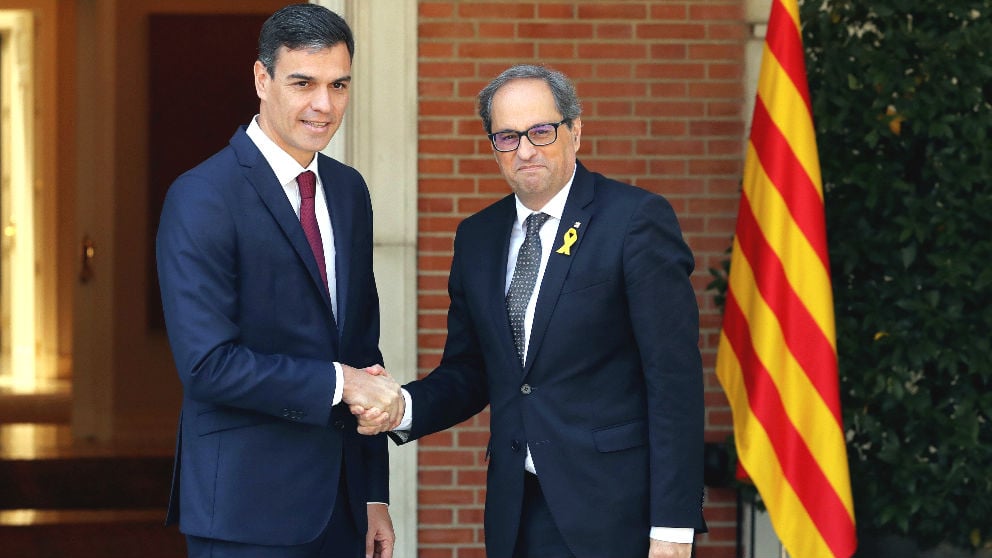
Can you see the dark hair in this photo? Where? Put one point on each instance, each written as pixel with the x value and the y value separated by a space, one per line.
pixel 566 99
pixel 302 26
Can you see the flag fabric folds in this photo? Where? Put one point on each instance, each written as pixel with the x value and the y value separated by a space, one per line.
pixel 777 358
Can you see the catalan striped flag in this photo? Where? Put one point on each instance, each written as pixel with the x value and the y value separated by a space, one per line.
pixel 777 359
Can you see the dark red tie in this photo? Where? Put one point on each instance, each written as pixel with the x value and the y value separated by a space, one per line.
pixel 308 218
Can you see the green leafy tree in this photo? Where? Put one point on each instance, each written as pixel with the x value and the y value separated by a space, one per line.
pixel 901 93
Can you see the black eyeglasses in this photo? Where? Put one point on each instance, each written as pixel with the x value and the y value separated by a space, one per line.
pixel 538 135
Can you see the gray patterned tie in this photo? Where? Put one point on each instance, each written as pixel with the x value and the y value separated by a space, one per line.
pixel 524 277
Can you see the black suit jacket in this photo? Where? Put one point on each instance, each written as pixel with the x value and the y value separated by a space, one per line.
pixel 260 451
pixel 610 400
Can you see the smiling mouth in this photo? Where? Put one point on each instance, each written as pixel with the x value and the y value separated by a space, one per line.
pixel 317 125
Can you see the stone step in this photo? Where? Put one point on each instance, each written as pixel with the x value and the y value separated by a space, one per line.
pixel 79 506
pixel 89 534
pixel 99 482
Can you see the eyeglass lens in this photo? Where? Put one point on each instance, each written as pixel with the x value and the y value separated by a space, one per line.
pixel 542 134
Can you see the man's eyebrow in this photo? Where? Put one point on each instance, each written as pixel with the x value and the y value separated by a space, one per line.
pixel 304 77
pixel 299 76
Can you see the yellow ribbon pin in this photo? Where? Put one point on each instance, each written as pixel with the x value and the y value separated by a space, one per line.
pixel 567 241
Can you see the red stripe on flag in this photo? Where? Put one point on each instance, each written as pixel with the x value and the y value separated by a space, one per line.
pixel 801 469
pixel 787 46
pixel 803 336
pixel 790 179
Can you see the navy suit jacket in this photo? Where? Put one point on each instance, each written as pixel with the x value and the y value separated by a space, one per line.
pixel 260 450
pixel 610 400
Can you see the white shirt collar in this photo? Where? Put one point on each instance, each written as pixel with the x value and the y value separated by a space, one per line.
pixel 282 163
pixel 555 207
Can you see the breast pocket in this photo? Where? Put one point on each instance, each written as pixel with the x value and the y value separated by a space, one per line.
pixel 586 282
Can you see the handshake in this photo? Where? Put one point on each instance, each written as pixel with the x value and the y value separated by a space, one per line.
pixel 374 397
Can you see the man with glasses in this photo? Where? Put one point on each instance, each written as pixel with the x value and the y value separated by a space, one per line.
pixel 572 316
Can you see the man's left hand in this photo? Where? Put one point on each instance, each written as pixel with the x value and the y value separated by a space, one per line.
pixel 664 549
pixel 380 538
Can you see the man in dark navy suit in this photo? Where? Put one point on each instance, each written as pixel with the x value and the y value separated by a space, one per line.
pixel 572 316
pixel 265 263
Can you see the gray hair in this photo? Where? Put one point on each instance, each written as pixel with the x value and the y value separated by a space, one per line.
pixel 566 99
pixel 302 26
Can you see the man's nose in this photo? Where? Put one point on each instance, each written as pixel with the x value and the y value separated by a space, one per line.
pixel 321 100
pixel 526 149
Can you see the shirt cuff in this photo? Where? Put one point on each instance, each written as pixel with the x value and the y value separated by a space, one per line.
pixel 673 534
pixel 382 503
pixel 338 384
pixel 407 421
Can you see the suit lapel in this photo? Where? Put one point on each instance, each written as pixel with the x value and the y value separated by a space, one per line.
pixel 341 223
pixel 261 177
pixel 491 263
pixel 577 210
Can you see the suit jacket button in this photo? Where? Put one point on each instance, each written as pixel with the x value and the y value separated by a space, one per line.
pixel 339 424
pixel 525 389
pixel 515 446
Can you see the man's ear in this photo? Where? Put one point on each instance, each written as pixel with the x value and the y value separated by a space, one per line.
pixel 576 131
pixel 262 79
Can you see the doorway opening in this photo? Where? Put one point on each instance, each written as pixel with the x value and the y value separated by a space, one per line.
pixel 28 363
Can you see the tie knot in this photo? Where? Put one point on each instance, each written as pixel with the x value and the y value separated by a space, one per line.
pixel 535 221
pixel 308 184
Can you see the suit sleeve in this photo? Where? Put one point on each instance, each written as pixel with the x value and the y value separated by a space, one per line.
pixel 458 388
pixel 662 305
pixel 375 455
pixel 197 251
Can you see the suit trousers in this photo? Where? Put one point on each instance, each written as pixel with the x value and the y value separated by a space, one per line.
pixel 341 538
pixel 538 535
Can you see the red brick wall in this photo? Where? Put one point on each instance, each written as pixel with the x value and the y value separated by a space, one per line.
pixel 662 90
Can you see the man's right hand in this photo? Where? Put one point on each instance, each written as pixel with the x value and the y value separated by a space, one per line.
pixel 375 391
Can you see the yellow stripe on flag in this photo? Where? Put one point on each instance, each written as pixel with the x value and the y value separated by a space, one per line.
pixel 803 405
pixel 790 114
pixel 793 522
pixel 777 358
pixel 802 266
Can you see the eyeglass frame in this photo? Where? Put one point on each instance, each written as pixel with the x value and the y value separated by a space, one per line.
pixel 526 134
